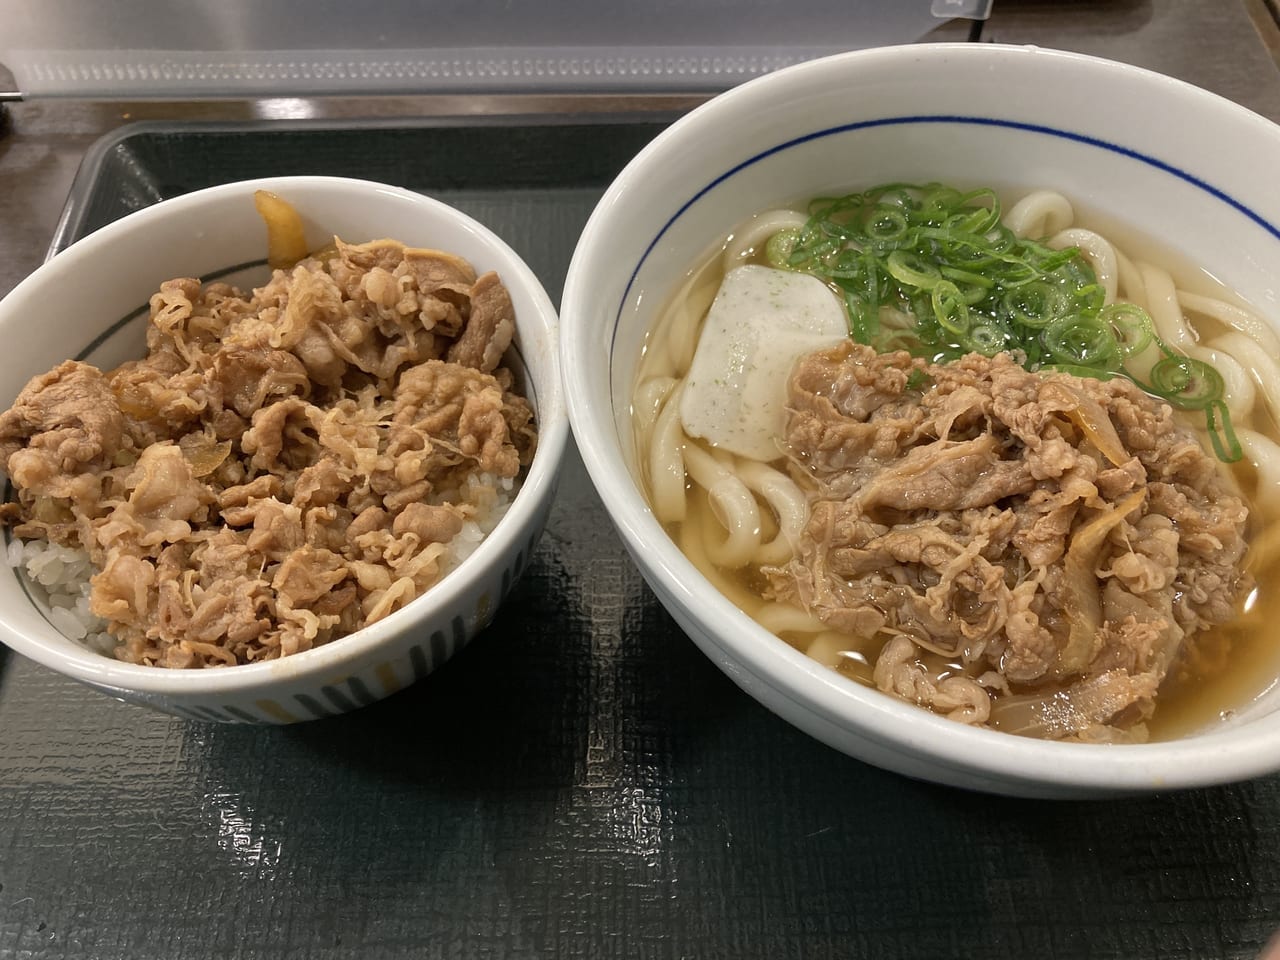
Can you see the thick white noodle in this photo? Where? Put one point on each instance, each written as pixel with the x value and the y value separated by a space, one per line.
pixel 650 396
pixel 753 235
pixel 1131 286
pixel 1264 455
pixel 1230 358
pixel 1263 366
pixel 666 461
pixel 1237 318
pixel 1097 250
pixel 1162 305
pixel 789 505
pixel 787 618
pixel 675 336
pixel 1040 214
pixel 682 340
pixel 831 647
pixel 733 504
pixel 695 533
pixel 1139 365
pixel 655 360
pixel 1237 384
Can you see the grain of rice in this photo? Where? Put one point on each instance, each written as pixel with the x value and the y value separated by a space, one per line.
pixel 58 578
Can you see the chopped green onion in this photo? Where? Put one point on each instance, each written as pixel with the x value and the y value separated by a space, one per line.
pixel 1226 445
pixel 780 246
pixel 988 339
pixel 911 269
pixel 886 223
pixel 938 204
pixel 917 380
pixel 968 277
pixel 864 318
pixel 1080 342
pixel 949 307
pixel 1186 382
pixel 970 284
pixel 1035 305
pixel 1131 326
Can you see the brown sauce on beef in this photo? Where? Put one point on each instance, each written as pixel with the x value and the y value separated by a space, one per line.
pixel 284 466
pixel 1033 552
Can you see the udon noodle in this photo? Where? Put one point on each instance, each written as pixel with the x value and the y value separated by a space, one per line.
pixel 737 517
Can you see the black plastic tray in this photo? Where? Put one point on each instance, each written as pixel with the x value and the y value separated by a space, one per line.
pixel 580 782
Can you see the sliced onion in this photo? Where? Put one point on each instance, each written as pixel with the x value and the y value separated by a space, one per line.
pixel 1083 602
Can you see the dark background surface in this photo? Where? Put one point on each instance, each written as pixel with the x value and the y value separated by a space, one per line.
pixel 580 781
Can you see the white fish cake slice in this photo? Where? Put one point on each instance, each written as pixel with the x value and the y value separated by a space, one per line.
pixel 761 322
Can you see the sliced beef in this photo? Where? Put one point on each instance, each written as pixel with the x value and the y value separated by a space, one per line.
pixel 283 467
pixel 1056 534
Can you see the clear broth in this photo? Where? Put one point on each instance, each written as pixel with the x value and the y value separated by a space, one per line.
pixel 1221 671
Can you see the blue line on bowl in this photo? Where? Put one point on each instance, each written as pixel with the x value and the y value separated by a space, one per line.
pixel 939 118
pixel 335 697
pixel 312 706
pixel 360 691
pixel 115 328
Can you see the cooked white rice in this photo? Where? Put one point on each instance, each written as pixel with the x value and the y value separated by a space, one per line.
pixel 491 497
pixel 58 578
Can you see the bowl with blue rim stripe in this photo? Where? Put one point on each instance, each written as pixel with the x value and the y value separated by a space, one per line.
pixel 1159 157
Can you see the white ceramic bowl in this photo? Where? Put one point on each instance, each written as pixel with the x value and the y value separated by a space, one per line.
pixel 85 303
pixel 1177 163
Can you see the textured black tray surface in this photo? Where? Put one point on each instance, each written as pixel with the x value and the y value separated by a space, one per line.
pixel 580 781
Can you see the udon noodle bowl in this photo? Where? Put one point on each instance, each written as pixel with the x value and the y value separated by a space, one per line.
pixel 982 458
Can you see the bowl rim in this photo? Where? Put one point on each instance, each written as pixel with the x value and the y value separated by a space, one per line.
pixel 1230 753
pixel 337 656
